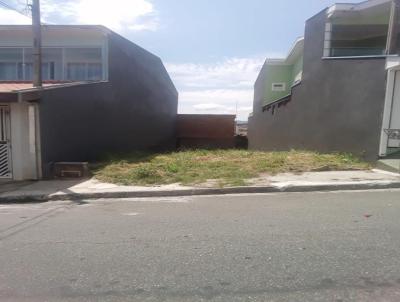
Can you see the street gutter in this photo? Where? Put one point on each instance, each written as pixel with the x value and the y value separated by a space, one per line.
pixel 323 187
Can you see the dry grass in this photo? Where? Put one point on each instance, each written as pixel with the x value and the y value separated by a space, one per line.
pixel 226 167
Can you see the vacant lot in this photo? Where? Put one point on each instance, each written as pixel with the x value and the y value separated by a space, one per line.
pixel 223 167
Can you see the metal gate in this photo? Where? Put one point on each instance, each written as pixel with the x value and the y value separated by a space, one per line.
pixel 5 150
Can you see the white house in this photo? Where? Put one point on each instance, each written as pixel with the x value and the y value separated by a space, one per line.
pixel 99 90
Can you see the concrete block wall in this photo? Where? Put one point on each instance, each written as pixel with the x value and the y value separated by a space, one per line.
pixel 135 110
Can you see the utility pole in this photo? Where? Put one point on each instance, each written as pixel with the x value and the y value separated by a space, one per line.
pixel 394 29
pixel 37 44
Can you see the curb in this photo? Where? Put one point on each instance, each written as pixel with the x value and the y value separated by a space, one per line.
pixel 38 198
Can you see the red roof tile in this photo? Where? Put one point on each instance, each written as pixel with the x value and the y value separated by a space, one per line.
pixel 18 86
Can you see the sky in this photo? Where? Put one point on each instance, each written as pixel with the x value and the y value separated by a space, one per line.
pixel 213 50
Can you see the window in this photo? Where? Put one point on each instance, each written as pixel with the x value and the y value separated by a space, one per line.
pixel 353 32
pixel 83 64
pixel 358 40
pixel 9 59
pixel 95 72
pixel 8 71
pixel 278 86
pixel 76 71
pixel 51 64
pixel 84 71
pixel 58 64
pixel 48 71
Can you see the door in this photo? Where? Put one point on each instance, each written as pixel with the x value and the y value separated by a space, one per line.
pixel 5 146
pixel 395 113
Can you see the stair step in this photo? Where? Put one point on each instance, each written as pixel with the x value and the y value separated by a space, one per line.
pixel 390 165
pixel 67 170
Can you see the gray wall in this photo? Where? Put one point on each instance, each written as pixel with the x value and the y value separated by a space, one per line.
pixel 135 110
pixel 338 106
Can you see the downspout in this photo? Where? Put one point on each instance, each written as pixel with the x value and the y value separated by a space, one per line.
pixel 394 28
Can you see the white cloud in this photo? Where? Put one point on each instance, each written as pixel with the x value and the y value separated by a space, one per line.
pixel 217 101
pixel 119 15
pixel 231 72
pixel 10 17
pixel 222 87
pixel 116 14
pixel 151 25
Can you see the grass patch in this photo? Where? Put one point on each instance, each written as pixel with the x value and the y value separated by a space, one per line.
pixel 225 167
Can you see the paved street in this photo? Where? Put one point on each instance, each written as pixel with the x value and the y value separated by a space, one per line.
pixel 342 246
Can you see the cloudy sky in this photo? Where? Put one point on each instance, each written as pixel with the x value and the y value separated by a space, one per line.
pixel 212 49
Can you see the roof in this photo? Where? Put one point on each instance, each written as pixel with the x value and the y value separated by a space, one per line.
pixel 295 52
pixel 15 87
pixel 99 28
pixel 355 7
pixel 25 91
pixel 11 92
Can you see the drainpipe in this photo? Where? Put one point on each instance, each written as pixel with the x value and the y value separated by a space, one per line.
pixel 34 124
pixel 37 44
pixel 394 29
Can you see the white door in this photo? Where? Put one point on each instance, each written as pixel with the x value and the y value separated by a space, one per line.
pixel 5 152
pixel 395 113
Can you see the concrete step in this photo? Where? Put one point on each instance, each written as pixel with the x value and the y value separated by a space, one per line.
pixel 389 164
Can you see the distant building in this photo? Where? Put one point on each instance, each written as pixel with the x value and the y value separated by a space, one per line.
pixel 241 128
pixel 102 93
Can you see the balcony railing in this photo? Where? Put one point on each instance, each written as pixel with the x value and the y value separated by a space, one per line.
pixel 357 51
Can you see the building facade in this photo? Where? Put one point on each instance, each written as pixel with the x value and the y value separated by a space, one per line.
pixel 241 128
pixel 102 93
pixel 337 90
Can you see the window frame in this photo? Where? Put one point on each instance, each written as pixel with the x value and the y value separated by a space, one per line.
pixel 57 70
pixel 327 48
pixel 279 89
pixel 15 69
pixel 86 70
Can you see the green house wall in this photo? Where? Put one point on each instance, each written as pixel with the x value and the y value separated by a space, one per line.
pixel 287 74
pixel 297 70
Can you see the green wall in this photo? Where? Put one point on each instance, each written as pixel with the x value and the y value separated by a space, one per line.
pixel 277 74
pixel 281 74
pixel 297 70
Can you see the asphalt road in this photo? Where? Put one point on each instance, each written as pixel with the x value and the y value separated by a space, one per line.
pixel 342 246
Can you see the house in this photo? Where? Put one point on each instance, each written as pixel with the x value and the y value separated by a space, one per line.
pixel 241 128
pixel 339 87
pixel 208 131
pixel 102 93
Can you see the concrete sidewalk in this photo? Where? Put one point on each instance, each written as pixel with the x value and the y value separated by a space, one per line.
pixel 305 182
